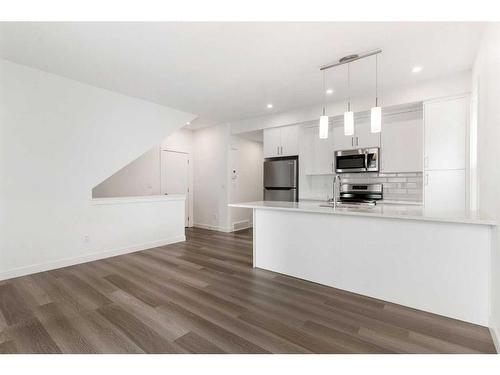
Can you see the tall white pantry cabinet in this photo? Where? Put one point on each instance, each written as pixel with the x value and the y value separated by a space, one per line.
pixel 446 127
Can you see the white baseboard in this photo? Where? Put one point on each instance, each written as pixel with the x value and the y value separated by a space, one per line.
pixel 495 335
pixel 220 229
pixel 212 227
pixel 47 266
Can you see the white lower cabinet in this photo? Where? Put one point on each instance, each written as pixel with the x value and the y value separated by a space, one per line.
pixel 444 190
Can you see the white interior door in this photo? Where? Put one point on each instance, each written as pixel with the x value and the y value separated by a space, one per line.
pixel 175 176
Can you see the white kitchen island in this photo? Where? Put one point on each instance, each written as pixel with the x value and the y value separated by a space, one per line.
pixel 433 261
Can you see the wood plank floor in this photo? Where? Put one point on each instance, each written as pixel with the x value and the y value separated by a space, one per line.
pixel 202 296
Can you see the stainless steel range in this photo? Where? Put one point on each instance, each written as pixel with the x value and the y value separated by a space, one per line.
pixel 357 195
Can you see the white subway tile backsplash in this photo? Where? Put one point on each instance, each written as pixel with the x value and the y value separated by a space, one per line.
pixel 397 186
pixel 397 191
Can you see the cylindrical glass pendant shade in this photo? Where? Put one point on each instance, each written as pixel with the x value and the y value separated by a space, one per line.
pixel 323 127
pixel 348 123
pixel 376 120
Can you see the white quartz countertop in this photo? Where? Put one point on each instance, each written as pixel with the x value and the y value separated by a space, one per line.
pixel 393 211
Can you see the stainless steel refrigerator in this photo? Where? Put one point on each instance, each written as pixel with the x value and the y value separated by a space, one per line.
pixel 281 180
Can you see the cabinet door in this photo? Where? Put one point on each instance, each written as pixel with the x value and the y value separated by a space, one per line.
pixel 363 137
pixel 445 129
pixel 340 141
pixel 402 145
pixel 444 190
pixel 272 142
pixel 323 154
pixel 306 150
pixel 289 140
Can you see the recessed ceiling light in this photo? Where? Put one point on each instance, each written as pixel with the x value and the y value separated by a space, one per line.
pixel 416 69
pixel 269 106
pixel 188 123
pixel 329 91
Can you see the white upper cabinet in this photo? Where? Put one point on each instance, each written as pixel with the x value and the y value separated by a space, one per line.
pixel 316 155
pixel 272 142
pixel 289 140
pixel 340 141
pixel 402 143
pixel 445 133
pixel 362 137
pixel 282 141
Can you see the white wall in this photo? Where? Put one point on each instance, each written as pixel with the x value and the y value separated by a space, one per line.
pixel 210 159
pixel 216 154
pixel 180 141
pixel 59 139
pixel 486 91
pixel 142 177
pixel 446 86
pixel 246 183
pixel 139 178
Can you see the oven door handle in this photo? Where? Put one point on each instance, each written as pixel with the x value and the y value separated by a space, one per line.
pixel 366 160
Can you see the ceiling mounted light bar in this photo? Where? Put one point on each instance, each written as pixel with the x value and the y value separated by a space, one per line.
pixel 350 58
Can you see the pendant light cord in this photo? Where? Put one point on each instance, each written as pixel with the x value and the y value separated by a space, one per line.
pixel 376 80
pixel 324 94
pixel 349 86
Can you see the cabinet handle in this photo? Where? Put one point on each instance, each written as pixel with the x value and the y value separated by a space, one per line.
pixel 281 150
pixel 426 179
pixel 277 150
pixel 352 141
pixel 426 162
pixel 357 141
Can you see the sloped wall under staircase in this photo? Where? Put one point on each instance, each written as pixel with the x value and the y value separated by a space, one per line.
pixel 58 139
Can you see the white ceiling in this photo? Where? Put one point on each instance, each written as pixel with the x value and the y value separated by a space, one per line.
pixel 230 71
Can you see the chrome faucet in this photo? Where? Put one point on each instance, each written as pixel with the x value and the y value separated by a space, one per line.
pixel 336 178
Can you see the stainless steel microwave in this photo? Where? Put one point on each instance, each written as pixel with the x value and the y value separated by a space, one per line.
pixel 360 160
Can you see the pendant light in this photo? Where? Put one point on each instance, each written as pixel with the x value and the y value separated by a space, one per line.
pixel 323 119
pixel 376 112
pixel 349 115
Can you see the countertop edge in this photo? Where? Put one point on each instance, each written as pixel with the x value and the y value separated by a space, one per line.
pixel 324 210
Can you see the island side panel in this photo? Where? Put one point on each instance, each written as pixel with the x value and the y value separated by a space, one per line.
pixel 443 268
